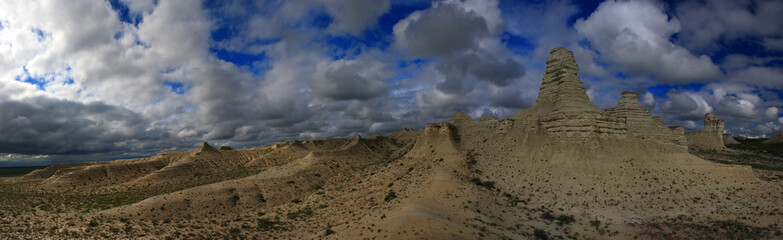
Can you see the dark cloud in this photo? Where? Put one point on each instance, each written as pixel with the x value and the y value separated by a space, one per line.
pixel 458 69
pixel 509 98
pixel 706 25
pixel 769 77
pixel 351 81
pixel 41 125
pixel 442 29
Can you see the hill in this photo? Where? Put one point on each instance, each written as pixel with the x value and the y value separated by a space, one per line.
pixel 561 169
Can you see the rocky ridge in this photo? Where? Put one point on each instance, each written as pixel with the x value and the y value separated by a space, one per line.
pixel 563 160
pixel 776 138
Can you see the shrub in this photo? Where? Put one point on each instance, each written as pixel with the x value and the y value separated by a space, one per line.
pixel 540 234
pixel 389 196
pixel 266 224
pixel 565 219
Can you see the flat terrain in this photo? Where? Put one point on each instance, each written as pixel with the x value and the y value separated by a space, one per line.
pixel 766 159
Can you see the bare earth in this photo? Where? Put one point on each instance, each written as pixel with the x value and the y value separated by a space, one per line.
pixel 562 169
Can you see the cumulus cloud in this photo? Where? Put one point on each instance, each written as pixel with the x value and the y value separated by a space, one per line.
pixel 43 125
pixel 353 16
pixel 445 28
pixel 94 80
pixel 685 106
pixel 760 76
pixel 463 38
pixel 647 100
pixel 351 80
pixel 635 35
pixel 771 113
pixel 706 23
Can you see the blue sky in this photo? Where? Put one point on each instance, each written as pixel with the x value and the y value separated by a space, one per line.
pixel 98 80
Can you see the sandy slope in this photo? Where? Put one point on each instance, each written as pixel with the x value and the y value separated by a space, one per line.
pixel 563 168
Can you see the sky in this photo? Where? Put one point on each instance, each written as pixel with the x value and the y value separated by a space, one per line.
pixel 92 80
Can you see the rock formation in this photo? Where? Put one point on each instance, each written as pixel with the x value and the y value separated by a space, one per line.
pixel 777 138
pixel 729 140
pixel 710 137
pixel 563 108
pixel 488 118
pixel 206 148
pixel 564 160
pixel 561 89
pixel 642 125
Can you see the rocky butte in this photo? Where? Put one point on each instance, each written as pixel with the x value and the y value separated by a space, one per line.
pixel 563 168
pixel 710 137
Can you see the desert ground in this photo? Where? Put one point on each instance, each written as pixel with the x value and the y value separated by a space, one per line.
pixel 563 169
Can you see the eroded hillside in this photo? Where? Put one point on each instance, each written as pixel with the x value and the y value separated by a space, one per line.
pixel 563 168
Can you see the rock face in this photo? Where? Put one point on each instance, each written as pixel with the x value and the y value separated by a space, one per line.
pixel 708 138
pixel 642 125
pixel 561 89
pixel 488 118
pixel 563 108
pixel 729 140
pixel 461 179
pixel 777 138
pixel 205 147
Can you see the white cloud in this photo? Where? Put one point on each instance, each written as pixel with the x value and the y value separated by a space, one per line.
pixel 771 113
pixel 648 100
pixel 686 106
pixel 635 35
pixel 109 82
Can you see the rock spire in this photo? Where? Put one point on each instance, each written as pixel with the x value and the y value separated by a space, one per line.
pixel 561 89
pixel 708 138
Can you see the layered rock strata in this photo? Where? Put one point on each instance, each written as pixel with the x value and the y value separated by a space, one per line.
pixel 708 138
pixel 642 125
pixel 563 107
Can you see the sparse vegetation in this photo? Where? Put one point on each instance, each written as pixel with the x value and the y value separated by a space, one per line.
pixel 266 224
pixel 301 213
pixel 389 196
